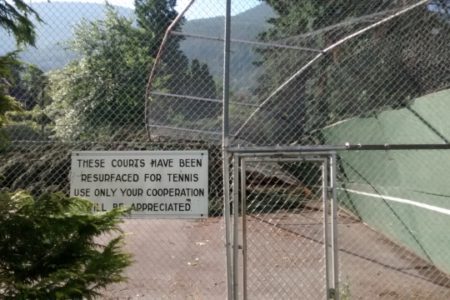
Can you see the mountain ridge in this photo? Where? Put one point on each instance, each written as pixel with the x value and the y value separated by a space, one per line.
pixel 60 18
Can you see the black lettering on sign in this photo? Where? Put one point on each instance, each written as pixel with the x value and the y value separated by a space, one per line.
pixel 161 163
pixel 109 177
pixel 183 177
pixel 152 177
pixel 105 192
pixel 176 192
pixel 82 192
pixel 128 163
pixel 190 162
pixel 91 163
pixel 161 207
pixel 132 192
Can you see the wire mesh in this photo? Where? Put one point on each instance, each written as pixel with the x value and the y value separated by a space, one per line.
pixel 396 208
pixel 171 258
pixel 357 72
pixel 284 230
pixel 83 88
pixel 302 73
pixel 353 61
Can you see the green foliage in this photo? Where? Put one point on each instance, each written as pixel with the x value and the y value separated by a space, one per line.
pixel 15 18
pixel 382 69
pixel 23 107
pixel 197 82
pixel 105 88
pixel 154 16
pixel 50 249
pixel 29 84
pixel 7 103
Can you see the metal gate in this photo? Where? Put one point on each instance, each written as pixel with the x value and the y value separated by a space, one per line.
pixel 284 237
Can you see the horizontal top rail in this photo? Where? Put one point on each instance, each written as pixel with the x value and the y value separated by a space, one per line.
pixel 346 146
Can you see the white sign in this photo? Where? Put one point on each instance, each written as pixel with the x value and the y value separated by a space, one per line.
pixel 166 184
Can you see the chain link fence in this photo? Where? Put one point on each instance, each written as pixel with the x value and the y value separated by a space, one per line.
pixel 284 230
pixel 83 88
pixel 395 231
pixel 302 73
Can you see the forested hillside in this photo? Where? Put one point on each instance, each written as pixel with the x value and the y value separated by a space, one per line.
pixel 52 49
pixel 245 26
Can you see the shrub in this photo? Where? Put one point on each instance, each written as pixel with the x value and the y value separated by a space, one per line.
pixel 49 247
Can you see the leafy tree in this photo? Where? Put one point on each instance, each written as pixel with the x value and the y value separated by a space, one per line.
pixel 7 103
pixel 50 247
pixel 105 88
pixel 29 86
pixel 25 86
pixel 15 19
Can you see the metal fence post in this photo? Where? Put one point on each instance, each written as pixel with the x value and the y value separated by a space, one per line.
pixel 326 229
pixel 334 227
pixel 235 233
pixel 225 144
pixel 244 228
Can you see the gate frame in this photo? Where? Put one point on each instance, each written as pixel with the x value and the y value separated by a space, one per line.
pixel 327 159
pixel 231 245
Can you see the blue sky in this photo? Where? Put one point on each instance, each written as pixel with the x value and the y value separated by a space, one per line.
pixel 200 8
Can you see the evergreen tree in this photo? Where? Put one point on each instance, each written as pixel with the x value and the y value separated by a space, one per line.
pixel 201 84
pixel 15 19
pixel 154 17
pixel 50 247
pixel 29 84
pixel 181 78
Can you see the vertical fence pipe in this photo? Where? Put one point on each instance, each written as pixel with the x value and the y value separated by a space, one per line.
pixel 334 226
pixel 225 145
pixel 235 225
pixel 326 232
pixel 244 227
pixel 227 217
pixel 226 75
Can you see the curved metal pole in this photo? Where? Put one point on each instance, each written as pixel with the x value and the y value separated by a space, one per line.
pixel 156 63
pixel 324 51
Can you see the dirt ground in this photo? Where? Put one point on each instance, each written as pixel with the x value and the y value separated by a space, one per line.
pixel 185 259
